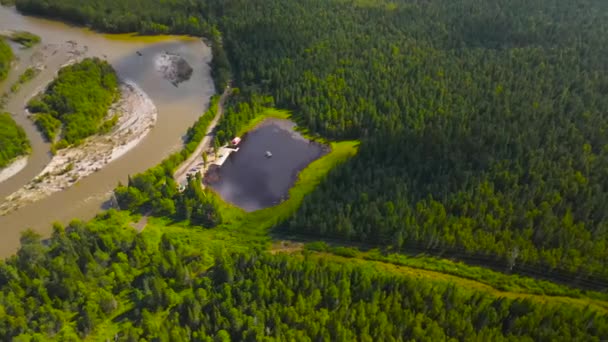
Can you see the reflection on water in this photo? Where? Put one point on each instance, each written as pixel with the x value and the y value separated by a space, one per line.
pixel 178 108
pixel 251 180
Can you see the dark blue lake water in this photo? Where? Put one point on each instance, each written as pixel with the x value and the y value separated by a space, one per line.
pixel 251 180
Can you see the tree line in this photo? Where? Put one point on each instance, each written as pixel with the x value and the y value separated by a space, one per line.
pixel 88 279
pixel 241 107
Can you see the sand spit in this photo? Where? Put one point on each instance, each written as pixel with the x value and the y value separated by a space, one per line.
pixel 137 115
pixel 13 168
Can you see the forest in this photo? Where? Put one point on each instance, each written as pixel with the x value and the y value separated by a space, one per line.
pixel 481 121
pixel 155 192
pixel 13 140
pixel 482 124
pixel 6 57
pixel 102 280
pixel 75 105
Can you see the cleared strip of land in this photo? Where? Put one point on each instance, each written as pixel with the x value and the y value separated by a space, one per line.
pixel 294 248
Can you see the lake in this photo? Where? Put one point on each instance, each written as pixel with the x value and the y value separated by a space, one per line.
pixel 253 181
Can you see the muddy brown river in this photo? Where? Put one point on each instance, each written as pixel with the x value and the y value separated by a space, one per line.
pixel 134 58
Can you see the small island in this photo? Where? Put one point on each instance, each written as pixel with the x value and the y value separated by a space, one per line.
pixel 6 57
pixel 23 38
pixel 75 104
pixel 91 118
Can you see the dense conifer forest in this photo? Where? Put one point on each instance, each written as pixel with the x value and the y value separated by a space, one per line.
pixel 76 103
pixel 482 128
pixel 103 278
pixel 13 140
pixel 482 122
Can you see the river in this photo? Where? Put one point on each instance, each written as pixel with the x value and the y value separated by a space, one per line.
pixel 178 108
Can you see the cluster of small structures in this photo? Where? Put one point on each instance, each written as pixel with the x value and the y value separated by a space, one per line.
pixel 221 155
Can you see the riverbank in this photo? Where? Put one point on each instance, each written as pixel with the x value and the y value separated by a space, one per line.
pixel 196 158
pixel 13 168
pixel 137 115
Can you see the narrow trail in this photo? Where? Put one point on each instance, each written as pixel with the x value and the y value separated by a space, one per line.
pixel 196 158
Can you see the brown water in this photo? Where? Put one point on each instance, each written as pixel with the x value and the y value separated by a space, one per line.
pixel 178 108
pixel 251 180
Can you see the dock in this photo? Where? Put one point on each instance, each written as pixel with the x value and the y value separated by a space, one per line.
pixel 223 154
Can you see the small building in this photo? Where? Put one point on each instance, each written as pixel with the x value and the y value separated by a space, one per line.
pixel 235 141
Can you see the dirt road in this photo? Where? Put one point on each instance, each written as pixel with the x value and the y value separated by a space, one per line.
pixel 196 159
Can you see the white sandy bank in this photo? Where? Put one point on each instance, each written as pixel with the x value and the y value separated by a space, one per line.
pixel 137 115
pixel 13 168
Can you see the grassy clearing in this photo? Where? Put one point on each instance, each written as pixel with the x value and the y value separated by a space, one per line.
pixel 274 113
pixel 241 230
pixel 268 114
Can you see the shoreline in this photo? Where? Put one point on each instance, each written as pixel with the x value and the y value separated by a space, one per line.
pixel 138 115
pixel 181 174
pixel 13 168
